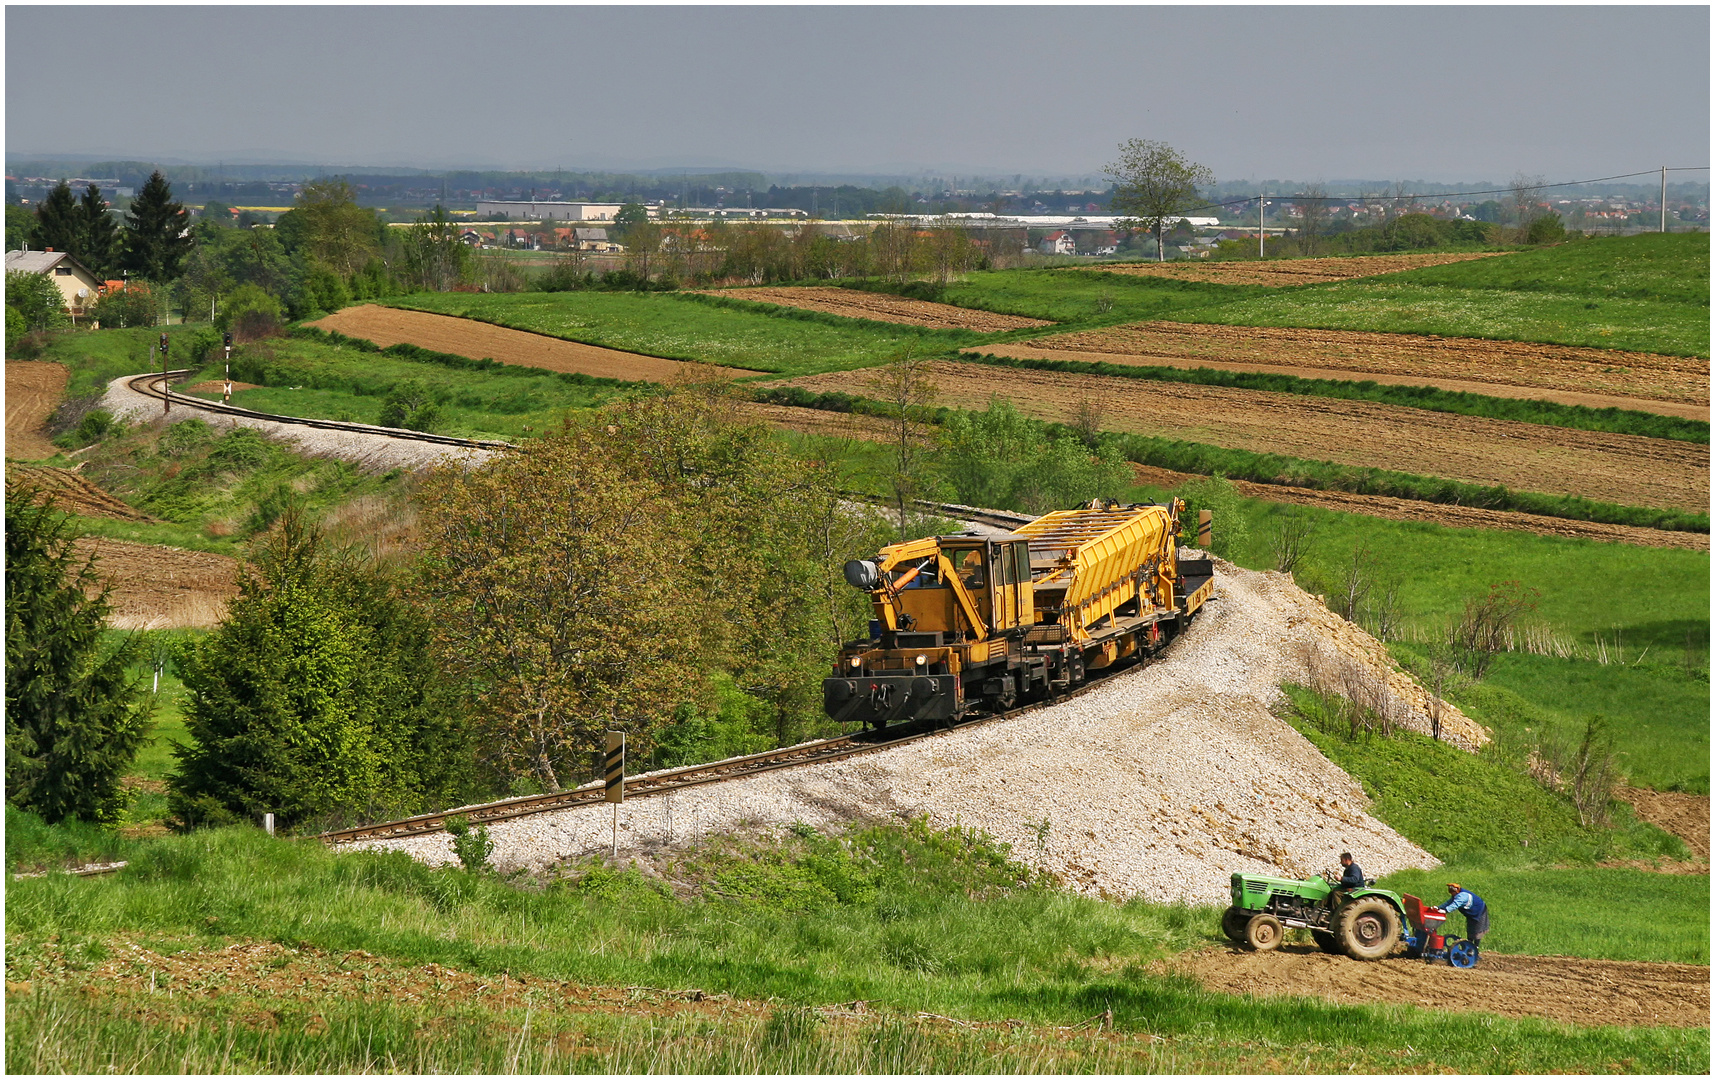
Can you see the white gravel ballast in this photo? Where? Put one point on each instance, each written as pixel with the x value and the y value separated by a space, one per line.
pixel 373 451
pixel 1159 783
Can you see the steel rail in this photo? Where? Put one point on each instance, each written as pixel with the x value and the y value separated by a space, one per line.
pixel 661 783
pixel 159 387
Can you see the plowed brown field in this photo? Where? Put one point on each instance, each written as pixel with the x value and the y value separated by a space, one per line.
pixel 157 587
pixel 855 303
pixel 1282 272
pixel 33 390
pixel 1560 988
pixel 482 341
pixel 1623 469
pixel 1597 378
pixel 75 495
pixel 1454 517
pixel 1685 816
pixel 819 422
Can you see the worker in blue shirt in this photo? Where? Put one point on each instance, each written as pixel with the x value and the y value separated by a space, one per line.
pixel 1352 876
pixel 1476 911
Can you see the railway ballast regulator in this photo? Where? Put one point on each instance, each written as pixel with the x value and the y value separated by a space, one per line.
pixel 984 622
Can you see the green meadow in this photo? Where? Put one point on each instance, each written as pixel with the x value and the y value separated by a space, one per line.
pixel 689 327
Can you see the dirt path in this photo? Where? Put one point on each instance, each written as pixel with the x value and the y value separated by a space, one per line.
pixel 1454 517
pixel 858 304
pixel 1284 272
pixel 1685 816
pixel 33 391
pixel 1624 469
pixel 1595 378
pixel 157 588
pixel 1571 990
pixel 483 341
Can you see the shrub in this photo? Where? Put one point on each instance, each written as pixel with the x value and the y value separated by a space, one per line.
pixel 315 697
pixel 37 300
pixel 471 846
pixel 1229 525
pixel 409 405
pixel 251 313
pixel 134 305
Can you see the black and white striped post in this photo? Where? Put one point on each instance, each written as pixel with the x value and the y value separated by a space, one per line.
pixel 615 772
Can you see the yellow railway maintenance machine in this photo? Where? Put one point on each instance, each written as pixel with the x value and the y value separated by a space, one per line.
pixel 972 621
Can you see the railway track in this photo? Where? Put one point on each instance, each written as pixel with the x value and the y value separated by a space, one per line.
pixel 661 783
pixel 159 387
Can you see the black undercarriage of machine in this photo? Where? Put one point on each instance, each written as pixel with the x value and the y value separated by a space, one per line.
pixel 985 622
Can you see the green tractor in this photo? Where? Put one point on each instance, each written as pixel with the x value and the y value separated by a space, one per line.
pixel 1362 923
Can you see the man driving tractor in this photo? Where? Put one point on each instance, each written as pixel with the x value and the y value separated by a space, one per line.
pixel 1476 911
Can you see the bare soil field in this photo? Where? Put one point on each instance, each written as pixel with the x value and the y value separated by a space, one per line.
pixel 856 303
pixel 75 495
pixel 1597 378
pixel 1283 272
pixel 483 341
pixel 1625 469
pixel 1575 991
pixel 33 391
pixel 1685 816
pixel 1454 517
pixel 215 388
pixel 157 588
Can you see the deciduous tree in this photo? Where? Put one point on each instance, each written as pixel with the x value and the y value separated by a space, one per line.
pixel 74 718
pixel 1153 182
pixel 338 233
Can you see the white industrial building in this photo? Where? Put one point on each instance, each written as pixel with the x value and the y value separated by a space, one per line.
pixel 539 210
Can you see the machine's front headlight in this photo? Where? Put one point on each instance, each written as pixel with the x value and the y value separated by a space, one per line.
pixel 857 662
pixel 922 658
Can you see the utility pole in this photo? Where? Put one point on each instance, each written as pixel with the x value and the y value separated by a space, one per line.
pixel 1259 196
pixel 1664 198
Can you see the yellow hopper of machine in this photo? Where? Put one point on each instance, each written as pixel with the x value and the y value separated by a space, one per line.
pixel 973 621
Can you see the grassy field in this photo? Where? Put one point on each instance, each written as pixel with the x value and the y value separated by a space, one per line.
pixel 683 327
pixel 1648 293
pixel 904 919
pixel 302 377
pixel 1082 299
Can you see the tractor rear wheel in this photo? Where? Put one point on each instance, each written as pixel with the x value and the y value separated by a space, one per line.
pixel 1367 929
pixel 1233 922
pixel 1327 942
pixel 1263 933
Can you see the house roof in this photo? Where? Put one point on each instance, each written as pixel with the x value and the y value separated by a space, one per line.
pixel 590 234
pixel 40 262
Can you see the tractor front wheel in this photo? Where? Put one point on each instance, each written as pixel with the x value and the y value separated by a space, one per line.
pixel 1233 922
pixel 1326 941
pixel 1263 933
pixel 1367 929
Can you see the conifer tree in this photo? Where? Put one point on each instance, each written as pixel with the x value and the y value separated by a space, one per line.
pixel 58 224
pixel 74 719
pixel 156 240
pixel 99 247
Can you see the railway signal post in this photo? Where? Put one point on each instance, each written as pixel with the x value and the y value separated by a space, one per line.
pixel 166 389
pixel 226 396
pixel 615 772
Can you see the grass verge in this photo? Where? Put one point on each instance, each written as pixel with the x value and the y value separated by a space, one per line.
pixel 905 919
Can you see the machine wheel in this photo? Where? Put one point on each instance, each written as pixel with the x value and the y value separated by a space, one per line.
pixel 1367 929
pixel 1327 942
pixel 1233 922
pixel 1462 954
pixel 1263 933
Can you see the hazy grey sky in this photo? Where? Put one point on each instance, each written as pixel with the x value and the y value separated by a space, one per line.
pixel 1439 93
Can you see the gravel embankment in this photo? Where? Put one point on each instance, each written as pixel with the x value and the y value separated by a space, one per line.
pixel 374 452
pixel 1160 783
